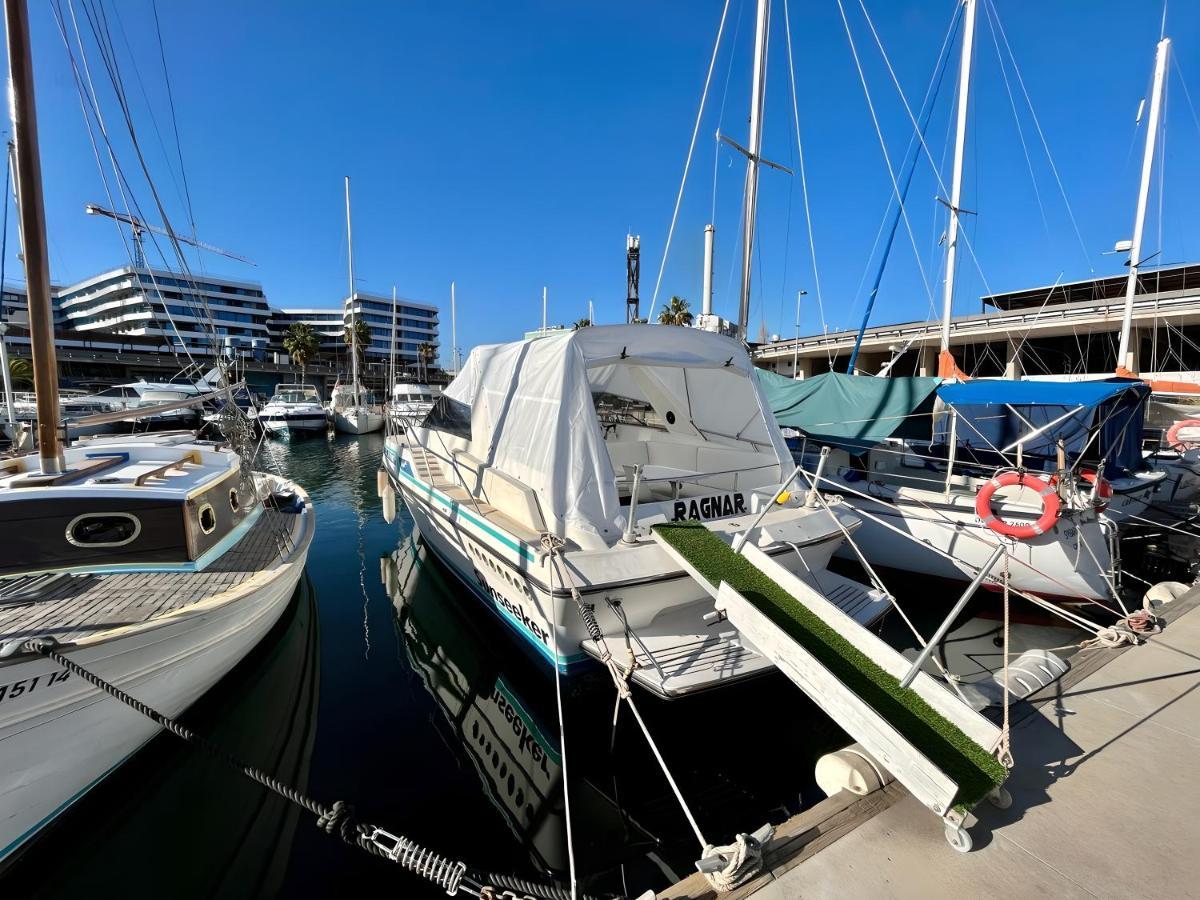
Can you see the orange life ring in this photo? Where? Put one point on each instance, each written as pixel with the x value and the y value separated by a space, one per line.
pixel 1104 492
pixel 1173 439
pixel 1051 505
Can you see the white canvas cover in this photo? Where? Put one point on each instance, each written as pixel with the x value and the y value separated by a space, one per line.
pixel 533 416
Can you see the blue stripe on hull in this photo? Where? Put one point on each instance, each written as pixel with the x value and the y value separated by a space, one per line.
pixel 569 665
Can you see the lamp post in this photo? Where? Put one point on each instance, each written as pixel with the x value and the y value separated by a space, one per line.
pixel 796 345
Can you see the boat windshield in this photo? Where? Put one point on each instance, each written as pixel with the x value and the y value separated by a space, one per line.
pixel 451 416
pixel 291 397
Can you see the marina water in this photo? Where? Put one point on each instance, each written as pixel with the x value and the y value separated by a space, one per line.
pixel 385 685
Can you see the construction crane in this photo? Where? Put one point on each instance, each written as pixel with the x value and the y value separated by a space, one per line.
pixel 137 226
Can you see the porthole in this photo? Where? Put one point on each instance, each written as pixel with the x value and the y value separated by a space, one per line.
pixel 110 529
pixel 670 418
pixel 207 517
pixel 234 502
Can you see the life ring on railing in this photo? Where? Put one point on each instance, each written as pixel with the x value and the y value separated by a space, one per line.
pixel 1104 492
pixel 1174 439
pixel 1048 492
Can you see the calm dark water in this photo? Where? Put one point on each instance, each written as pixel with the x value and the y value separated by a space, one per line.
pixel 386 687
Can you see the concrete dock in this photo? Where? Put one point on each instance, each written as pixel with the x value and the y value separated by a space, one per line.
pixel 1106 799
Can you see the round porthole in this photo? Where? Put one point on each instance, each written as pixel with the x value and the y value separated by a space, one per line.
pixel 670 418
pixel 207 518
pixel 234 502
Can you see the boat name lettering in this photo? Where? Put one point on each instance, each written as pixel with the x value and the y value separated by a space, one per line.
pixel 717 507
pixel 29 685
pixel 514 609
pixel 526 742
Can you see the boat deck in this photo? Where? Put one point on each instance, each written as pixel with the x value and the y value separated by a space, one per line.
pixel 70 607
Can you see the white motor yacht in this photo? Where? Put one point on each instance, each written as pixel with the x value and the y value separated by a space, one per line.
pixel 294 409
pixel 544 465
pixel 411 403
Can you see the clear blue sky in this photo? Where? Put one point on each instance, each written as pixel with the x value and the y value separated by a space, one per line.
pixel 507 146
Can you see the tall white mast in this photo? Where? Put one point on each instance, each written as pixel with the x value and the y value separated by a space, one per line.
pixel 391 388
pixel 960 140
pixel 453 330
pixel 543 309
pixel 757 98
pixel 1139 220
pixel 353 320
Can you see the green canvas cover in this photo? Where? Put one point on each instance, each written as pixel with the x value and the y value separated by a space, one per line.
pixel 853 412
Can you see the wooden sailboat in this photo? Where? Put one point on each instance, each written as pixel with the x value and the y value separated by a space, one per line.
pixel 155 561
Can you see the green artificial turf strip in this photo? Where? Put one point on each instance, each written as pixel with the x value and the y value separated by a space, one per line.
pixel 972 768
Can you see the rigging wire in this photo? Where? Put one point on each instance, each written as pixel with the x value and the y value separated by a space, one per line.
pixel 1041 135
pixel 1012 104
pixel 688 162
pixel 162 55
pixel 812 244
pixel 883 147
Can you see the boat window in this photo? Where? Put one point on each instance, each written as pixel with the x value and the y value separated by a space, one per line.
pixel 234 502
pixel 112 529
pixel 614 410
pixel 450 416
pixel 207 518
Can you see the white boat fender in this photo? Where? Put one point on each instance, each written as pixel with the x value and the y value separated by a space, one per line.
pixel 381 481
pixel 389 504
pixel 1163 593
pixel 851 769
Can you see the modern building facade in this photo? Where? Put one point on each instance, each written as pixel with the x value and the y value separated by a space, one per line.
pixel 327 324
pixel 1061 329
pixel 416 324
pixel 202 313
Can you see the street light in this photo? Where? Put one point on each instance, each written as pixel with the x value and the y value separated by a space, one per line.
pixel 796 345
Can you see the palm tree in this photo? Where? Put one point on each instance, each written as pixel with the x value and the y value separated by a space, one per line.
pixel 20 370
pixel 675 313
pixel 426 353
pixel 358 334
pixel 301 344
pixel 585 322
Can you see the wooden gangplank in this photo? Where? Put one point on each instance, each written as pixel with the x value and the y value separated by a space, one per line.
pixel 934 744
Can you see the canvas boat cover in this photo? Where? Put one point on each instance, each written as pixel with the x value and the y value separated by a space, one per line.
pixel 852 412
pixel 532 413
pixel 994 413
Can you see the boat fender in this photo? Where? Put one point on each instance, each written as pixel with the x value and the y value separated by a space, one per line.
pixel 381 481
pixel 1047 491
pixel 389 504
pixel 1184 434
pixel 851 769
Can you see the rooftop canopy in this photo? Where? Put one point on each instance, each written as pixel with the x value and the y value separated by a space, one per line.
pixel 852 412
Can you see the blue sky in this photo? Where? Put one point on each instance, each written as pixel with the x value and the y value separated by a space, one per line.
pixel 510 146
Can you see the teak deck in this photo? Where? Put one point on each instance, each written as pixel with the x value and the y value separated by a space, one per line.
pixel 72 606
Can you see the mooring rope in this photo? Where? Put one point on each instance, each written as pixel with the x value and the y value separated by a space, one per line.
pixel 449 874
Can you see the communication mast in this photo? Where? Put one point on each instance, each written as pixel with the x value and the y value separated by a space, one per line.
pixel 633 274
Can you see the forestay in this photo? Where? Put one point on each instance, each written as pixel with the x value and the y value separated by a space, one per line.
pixel 531 408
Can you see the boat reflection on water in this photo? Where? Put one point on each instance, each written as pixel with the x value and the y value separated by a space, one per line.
pixel 176 822
pixel 499 709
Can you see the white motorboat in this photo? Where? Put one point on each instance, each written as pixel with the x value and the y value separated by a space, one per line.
pixel 294 409
pixel 353 410
pixel 579 444
pixel 411 403
pixel 148 393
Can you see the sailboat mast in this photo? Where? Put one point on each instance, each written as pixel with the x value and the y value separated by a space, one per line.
pixel 353 318
pixel 32 217
pixel 453 330
pixel 946 362
pixel 391 388
pixel 758 93
pixel 1139 220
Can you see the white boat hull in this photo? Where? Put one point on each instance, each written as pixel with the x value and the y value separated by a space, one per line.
pixel 357 421
pixel 59 736
pixel 1069 561
pixel 282 427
